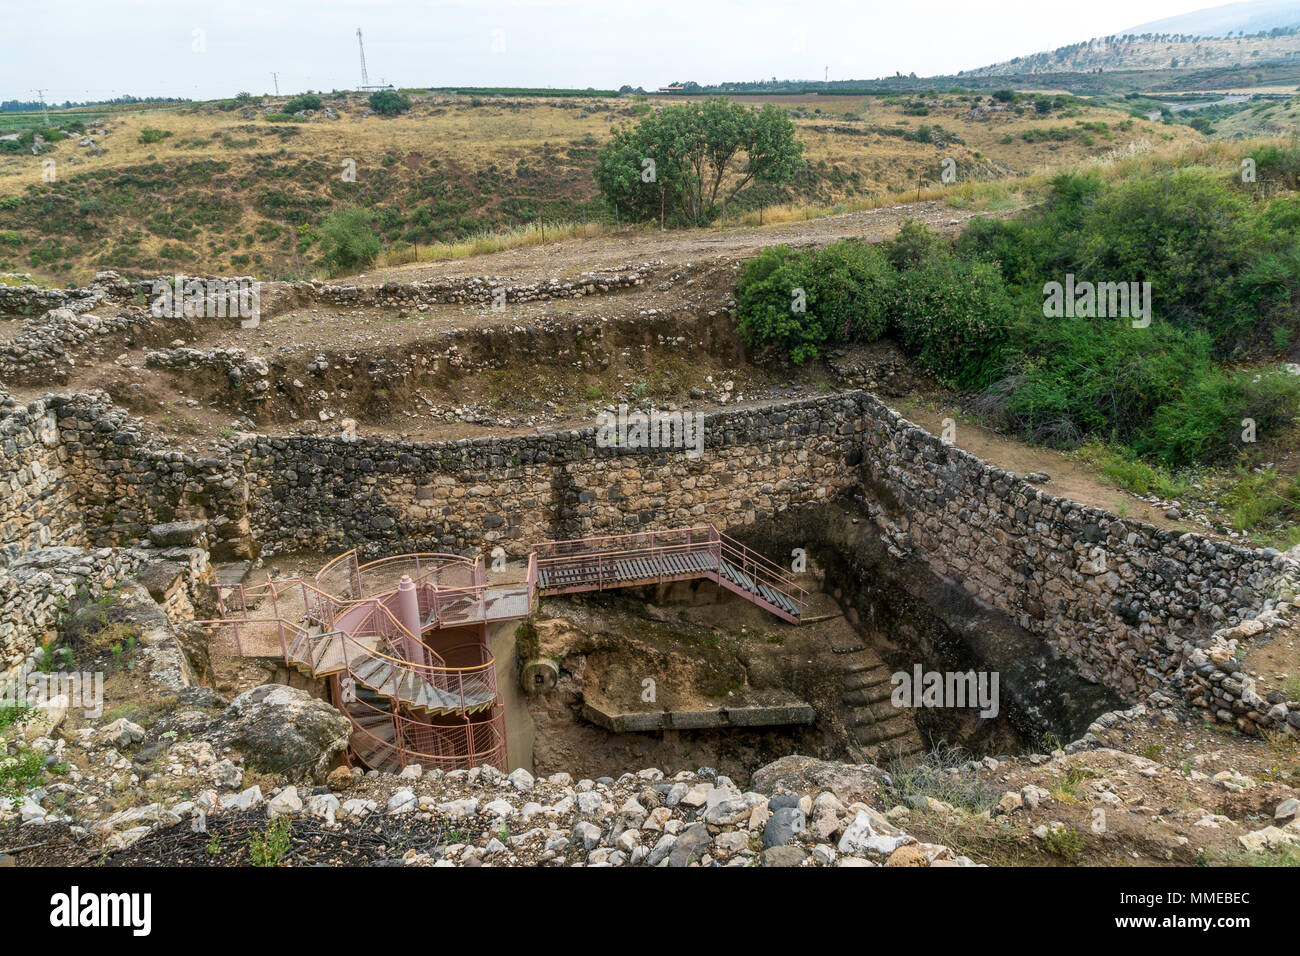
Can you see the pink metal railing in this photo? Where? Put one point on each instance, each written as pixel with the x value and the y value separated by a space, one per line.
pixel 470 744
pixel 353 605
pixel 596 558
pixel 760 568
pixel 458 688
pixel 341 577
pixel 440 570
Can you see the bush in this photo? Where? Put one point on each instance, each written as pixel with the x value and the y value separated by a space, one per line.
pixel 954 316
pixel 348 241
pixel 852 286
pixel 389 102
pixel 847 295
pixel 299 104
pixel 153 135
pixel 765 311
pixel 1277 164
pixel 1081 377
pixel 1205 423
pixel 1184 232
pixel 912 244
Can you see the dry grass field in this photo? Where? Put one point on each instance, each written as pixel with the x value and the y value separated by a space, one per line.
pixel 235 191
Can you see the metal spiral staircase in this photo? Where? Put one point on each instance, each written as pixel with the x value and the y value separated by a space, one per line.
pixel 371 630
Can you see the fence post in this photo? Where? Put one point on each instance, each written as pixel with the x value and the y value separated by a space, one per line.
pixel 397 737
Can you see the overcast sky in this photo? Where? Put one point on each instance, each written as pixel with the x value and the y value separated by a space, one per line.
pixel 97 49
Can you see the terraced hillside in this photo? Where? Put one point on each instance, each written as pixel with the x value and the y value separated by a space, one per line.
pixel 235 187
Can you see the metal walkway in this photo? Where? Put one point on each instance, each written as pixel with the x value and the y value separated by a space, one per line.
pixel 660 557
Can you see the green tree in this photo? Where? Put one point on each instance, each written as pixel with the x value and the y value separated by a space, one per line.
pixel 689 161
pixel 389 102
pixel 348 241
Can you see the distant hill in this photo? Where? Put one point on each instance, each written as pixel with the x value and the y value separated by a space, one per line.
pixel 1256 16
pixel 1156 51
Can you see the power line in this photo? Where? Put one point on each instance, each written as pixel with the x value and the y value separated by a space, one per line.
pixel 44 109
pixel 275 78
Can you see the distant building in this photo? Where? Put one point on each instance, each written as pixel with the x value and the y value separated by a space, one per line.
pixel 672 88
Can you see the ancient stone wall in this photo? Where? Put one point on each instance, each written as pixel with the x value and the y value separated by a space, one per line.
pixel 36 494
pixel 1126 601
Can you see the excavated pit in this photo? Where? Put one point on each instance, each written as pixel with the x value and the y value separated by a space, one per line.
pixel 871 617
pixel 913 617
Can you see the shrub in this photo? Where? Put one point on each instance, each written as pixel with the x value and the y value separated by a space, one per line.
pixel 912 244
pixel 941 774
pixel 1205 422
pixel 765 305
pixel 1277 164
pixel 846 291
pixel 1081 377
pixel 348 241
pixel 852 287
pixel 1065 842
pixel 954 316
pixel 271 846
pixel 153 135
pixel 302 103
pixel 389 102
pixel 1183 232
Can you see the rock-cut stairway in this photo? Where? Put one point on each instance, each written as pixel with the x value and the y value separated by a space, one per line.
pixel 878 731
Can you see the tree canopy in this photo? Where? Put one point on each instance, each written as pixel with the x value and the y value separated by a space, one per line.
pixel 691 160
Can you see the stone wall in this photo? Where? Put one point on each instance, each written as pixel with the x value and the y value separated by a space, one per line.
pixel 36 589
pixel 279 296
pixel 29 299
pixel 36 494
pixel 127 482
pixel 1127 602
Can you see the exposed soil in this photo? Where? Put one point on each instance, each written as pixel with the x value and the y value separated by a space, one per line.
pixel 680 247
pixel 703 648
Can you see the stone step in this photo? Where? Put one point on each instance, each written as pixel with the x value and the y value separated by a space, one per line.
pixel 882 730
pixel 864 714
pixel 872 676
pixel 868 695
pixel 230 573
pixel 846 643
pixel 896 748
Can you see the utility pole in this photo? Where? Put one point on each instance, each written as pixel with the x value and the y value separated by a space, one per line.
pixel 275 78
pixel 365 79
pixel 44 109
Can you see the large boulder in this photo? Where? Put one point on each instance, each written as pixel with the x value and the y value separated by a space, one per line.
pixel 808 775
pixel 282 730
pixel 176 534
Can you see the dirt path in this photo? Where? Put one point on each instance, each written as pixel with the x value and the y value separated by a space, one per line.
pixel 679 246
pixel 1069 479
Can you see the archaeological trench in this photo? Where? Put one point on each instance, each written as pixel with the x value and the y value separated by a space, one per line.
pixel 911 551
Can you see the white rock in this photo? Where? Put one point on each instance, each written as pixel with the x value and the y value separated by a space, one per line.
pixel 402 801
pixel 520 779
pixel 323 805
pixel 245 800
pixel 284 803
